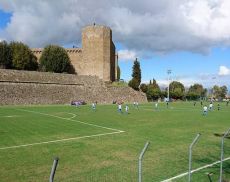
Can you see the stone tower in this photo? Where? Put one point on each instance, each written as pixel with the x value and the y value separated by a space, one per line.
pixel 99 52
pixel 97 55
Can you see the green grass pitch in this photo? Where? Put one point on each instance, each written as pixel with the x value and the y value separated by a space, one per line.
pixel 104 145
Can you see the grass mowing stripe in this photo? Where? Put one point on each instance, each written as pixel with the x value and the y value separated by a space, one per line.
pixel 69 119
pixel 195 170
pixel 61 140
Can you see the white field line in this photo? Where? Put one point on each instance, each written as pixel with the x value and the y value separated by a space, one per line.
pixel 9 116
pixel 69 119
pixel 61 140
pixel 195 170
pixel 73 115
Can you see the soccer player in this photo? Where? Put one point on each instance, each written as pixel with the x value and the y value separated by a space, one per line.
pixel 194 103
pixel 227 102
pixel 119 108
pixel 94 106
pixel 156 105
pixel 210 106
pixel 127 109
pixel 205 110
pixel 201 103
pixel 218 106
pixel 167 103
pixel 137 105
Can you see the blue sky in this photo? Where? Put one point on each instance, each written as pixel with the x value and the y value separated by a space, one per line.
pixel 5 18
pixel 186 67
pixel 191 37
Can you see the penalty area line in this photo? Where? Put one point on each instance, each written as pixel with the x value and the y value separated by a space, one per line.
pixel 61 140
pixel 69 119
pixel 195 170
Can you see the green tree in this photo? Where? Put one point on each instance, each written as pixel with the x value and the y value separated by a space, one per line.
pixel 216 91
pixel 134 84
pixel 150 92
pixel 164 93
pixel 196 91
pixel 144 87
pixel 176 90
pixel 153 91
pixel 22 57
pixel 224 91
pixel 118 73
pixel 136 76
pixel 219 92
pixel 5 55
pixel 137 71
pixel 54 59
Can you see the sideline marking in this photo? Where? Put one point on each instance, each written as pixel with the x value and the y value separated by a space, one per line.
pixel 69 119
pixel 9 116
pixel 61 140
pixel 195 170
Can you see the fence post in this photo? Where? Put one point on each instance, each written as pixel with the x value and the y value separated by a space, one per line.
pixel 190 156
pixel 222 153
pixel 140 161
pixel 53 170
pixel 209 176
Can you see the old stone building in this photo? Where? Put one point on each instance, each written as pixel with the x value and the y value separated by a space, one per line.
pixel 97 57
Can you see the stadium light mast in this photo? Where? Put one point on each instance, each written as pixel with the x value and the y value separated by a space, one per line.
pixel 168 72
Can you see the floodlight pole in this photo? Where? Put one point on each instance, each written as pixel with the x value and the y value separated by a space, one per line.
pixel 140 162
pixel 53 170
pixel 168 72
pixel 222 153
pixel 190 156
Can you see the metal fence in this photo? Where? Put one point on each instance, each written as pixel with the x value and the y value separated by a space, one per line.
pixel 143 168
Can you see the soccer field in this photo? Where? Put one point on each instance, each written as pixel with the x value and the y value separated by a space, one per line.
pixel 105 145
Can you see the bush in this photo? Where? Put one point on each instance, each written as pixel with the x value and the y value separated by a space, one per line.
pixel 22 57
pixel 5 55
pixel 54 59
pixel 144 87
pixel 134 83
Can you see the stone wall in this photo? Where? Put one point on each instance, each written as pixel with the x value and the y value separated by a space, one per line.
pixel 30 87
pixel 127 94
pixel 75 56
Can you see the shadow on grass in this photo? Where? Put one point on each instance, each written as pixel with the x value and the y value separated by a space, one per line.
pixel 221 135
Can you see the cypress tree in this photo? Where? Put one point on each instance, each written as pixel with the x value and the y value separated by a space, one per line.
pixel 118 73
pixel 136 80
pixel 137 71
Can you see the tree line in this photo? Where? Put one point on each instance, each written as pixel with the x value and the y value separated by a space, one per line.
pixel 17 55
pixel 176 89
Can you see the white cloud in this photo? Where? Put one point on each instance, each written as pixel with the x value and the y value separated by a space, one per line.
pixel 223 71
pixel 147 25
pixel 126 55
